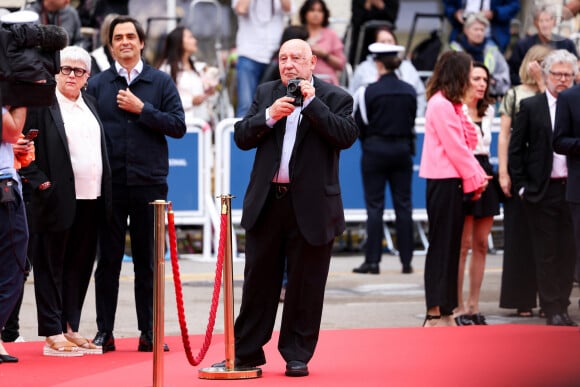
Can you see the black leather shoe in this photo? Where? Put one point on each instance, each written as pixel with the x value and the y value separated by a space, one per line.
pixel 146 343
pixel 407 269
pixel 557 320
pixel 8 359
pixel 463 320
pixel 566 318
pixel 367 268
pixel 105 340
pixel 478 319
pixel 296 368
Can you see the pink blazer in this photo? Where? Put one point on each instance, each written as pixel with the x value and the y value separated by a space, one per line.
pixel 448 145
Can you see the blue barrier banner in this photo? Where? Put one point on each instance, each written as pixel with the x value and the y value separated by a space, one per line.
pixel 184 172
pixel 241 168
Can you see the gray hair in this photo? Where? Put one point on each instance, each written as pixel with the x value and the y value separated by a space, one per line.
pixel 541 7
pixel 76 53
pixel 559 56
pixel 475 17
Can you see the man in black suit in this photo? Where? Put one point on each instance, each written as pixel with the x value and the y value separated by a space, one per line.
pixel 292 207
pixel 540 177
pixel 567 142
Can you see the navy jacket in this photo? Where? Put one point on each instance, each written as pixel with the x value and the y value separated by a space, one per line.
pixel 391 107
pixel 136 144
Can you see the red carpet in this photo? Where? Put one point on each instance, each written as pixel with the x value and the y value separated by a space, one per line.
pixel 499 355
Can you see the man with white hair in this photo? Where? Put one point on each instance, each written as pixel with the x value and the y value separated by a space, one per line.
pixel 540 177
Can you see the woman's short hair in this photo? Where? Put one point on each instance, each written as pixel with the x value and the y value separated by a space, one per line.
pixel 537 52
pixel 76 54
pixel 450 76
pixel 475 17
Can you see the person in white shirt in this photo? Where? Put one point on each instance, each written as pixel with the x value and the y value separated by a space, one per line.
pixel 71 183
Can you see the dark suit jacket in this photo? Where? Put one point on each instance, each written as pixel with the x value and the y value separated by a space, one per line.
pixel 326 126
pixel 54 209
pixel 530 148
pixel 567 138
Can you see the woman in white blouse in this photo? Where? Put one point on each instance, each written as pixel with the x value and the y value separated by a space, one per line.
pixel 478 214
pixel 196 81
pixel 71 194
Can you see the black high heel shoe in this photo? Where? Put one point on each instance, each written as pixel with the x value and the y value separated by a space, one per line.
pixel 429 317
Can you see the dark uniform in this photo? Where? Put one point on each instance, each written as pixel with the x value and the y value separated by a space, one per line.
pixel 387 140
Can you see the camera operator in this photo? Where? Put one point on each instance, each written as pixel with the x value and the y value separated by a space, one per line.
pixel 292 207
pixel 13 227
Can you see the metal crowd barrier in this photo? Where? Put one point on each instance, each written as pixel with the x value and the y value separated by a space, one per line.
pixel 232 168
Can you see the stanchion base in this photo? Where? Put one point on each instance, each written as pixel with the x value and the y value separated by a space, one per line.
pixel 223 373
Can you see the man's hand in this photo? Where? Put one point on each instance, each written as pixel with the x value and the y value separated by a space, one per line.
pixel 128 101
pixel 307 89
pixel 282 107
pixel 505 183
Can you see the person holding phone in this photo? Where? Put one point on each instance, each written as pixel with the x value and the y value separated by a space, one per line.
pixel 13 228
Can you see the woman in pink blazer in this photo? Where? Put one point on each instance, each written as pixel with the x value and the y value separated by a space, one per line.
pixel 453 175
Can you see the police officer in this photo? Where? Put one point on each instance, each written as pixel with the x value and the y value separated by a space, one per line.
pixel 385 113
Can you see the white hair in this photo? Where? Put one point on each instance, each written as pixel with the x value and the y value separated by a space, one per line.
pixel 76 53
pixel 559 56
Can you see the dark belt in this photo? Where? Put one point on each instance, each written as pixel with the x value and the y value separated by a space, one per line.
pixel 559 180
pixel 280 189
pixel 379 137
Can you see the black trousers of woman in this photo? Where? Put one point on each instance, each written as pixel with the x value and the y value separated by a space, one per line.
pixel 446 215
pixel 518 280
pixel 63 263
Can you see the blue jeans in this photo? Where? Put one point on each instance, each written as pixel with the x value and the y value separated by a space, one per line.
pixel 249 73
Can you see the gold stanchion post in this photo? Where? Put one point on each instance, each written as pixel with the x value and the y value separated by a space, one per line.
pixel 229 371
pixel 159 292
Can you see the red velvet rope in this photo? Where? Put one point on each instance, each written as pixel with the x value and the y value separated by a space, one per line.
pixel 179 292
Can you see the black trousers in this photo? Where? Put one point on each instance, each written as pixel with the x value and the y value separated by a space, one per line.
pixel 63 263
pixel 387 162
pixel 554 249
pixel 129 203
pixel 518 280
pixel 275 237
pixel 13 244
pixel 575 210
pixel 446 215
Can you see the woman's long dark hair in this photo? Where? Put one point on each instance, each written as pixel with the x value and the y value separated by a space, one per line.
pixel 483 103
pixel 173 52
pixel 308 4
pixel 450 76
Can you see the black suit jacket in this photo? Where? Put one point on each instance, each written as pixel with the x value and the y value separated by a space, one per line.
pixel 530 148
pixel 54 209
pixel 567 138
pixel 326 126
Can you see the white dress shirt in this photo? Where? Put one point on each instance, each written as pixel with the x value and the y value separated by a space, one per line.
pixel 559 167
pixel 83 136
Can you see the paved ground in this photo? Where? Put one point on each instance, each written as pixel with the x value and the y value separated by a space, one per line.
pixel 390 299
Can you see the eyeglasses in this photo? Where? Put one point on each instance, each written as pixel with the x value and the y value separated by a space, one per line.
pixel 66 70
pixel 561 75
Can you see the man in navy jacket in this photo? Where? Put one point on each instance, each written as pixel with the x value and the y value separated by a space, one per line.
pixel 139 106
